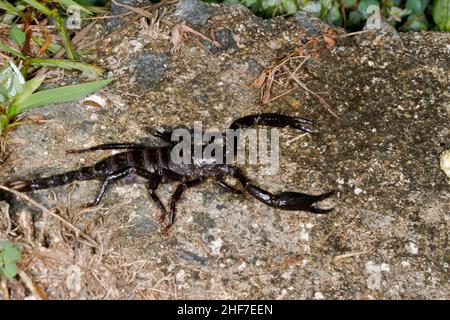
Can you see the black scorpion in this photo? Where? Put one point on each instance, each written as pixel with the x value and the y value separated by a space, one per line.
pixel 156 166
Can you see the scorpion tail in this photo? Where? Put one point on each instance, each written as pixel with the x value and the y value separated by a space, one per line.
pixel 294 201
pixel 86 173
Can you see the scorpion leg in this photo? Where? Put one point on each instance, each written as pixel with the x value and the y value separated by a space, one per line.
pixel 273 120
pixel 163 135
pixel 284 200
pixel 116 175
pixel 109 146
pixel 153 183
pixel 227 187
pixel 177 195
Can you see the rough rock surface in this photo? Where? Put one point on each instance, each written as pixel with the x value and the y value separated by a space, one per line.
pixel 387 237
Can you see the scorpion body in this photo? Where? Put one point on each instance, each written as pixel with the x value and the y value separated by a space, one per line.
pixel 155 165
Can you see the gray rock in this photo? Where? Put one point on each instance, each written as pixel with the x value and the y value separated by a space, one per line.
pixel 312 25
pixel 225 38
pixel 150 67
pixel 387 236
pixel 115 22
pixel 194 12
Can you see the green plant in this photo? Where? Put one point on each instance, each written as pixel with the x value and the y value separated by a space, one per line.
pixel 18 95
pixel 406 15
pixel 46 51
pixel 10 254
pixel 441 14
pixel 31 47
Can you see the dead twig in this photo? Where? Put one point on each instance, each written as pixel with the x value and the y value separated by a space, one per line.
pixel 348 255
pixel 38 294
pixel 5 213
pixel 4 289
pixel 77 38
pixel 301 84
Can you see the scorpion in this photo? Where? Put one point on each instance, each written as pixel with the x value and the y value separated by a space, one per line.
pixel 155 165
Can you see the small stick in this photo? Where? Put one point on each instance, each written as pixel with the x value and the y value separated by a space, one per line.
pixel 280 95
pixel 348 255
pixel 29 284
pixel 353 33
pixel 47 211
pixel 301 84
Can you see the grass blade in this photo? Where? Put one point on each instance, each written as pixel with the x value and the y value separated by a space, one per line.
pixel 58 95
pixel 41 7
pixel 4 121
pixel 61 27
pixel 70 3
pixel 67 64
pixel 18 36
pixel 9 8
pixel 12 51
pixel 29 87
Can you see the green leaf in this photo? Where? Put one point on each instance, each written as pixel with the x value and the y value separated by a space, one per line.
pixel 16 35
pixel 58 95
pixel 334 16
pixel 416 6
pixel 61 27
pixel 312 8
pixel 11 254
pixel 11 80
pixel 398 12
pixel 9 8
pixel 4 121
pixel 289 6
pixel 9 270
pixel 12 51
pixel 415 22
pixel 41 7
pixel 441 14
pixel 348 3
pixel 67 64
pixel 3 94
pixel 364 5
pixel 67 3
pixel 100 3
pixel 28 89
pixel 354 18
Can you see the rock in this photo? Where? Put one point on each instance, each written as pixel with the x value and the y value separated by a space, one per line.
pixel 195 12
pixel 225 38
pixel 313 26
pixel 116 9
pixel 389 225
pixel 150 67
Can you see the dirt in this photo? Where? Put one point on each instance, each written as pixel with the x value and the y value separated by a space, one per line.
pixel 387 237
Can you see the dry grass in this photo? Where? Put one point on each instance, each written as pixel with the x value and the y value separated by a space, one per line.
pixel 59 263
pixel 285 73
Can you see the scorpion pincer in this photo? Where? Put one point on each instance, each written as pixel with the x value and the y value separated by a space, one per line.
pixel 155 165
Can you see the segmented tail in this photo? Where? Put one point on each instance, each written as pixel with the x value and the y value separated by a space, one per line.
pixel 86 173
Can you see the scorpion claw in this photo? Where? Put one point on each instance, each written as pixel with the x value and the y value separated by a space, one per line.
pixel 294 201
pixel 274 120
pixel 301 201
